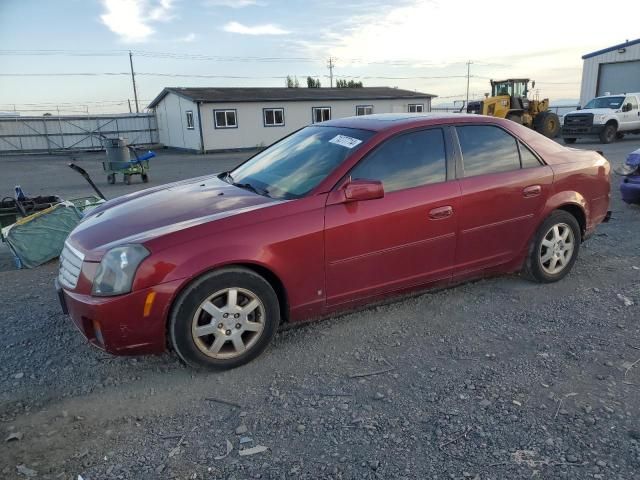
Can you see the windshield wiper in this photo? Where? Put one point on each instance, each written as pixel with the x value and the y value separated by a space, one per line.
pixel 254 189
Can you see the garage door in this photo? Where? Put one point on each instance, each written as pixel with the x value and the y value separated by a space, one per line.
pixel 619 78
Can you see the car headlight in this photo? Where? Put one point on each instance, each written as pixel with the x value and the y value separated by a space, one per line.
pixel 599 118
pixel 117 270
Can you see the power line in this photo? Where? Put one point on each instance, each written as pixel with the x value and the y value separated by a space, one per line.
pixel 247 77
pixel 231 58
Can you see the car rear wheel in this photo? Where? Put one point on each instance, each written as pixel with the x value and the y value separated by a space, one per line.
pixel 554 248
pixel 224 319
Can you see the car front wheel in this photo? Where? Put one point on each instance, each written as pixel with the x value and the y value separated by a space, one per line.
pixel 554 248
pixel 224 319
pixel 608 133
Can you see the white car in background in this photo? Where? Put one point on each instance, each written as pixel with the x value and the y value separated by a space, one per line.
pixel 607 118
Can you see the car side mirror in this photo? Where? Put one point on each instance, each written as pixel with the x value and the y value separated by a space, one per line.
pixel 360 190
pixel 579 108
pixel 627 107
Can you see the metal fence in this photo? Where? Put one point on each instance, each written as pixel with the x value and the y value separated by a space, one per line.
pixel 49 134
pixel 559 110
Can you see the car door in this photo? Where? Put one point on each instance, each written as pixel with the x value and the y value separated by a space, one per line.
pixel 503 187
pixel 405 238
pixel 631 116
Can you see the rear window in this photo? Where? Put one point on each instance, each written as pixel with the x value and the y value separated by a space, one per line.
pixel 487 149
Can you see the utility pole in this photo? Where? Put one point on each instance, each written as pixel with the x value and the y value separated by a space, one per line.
pixel 330 64
pixel 468 77
pixel 129 102
pixel 133 80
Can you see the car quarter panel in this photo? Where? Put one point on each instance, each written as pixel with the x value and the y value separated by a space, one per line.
pixel 286 239
pixel 585 184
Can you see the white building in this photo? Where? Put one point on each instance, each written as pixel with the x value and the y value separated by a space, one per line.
pixel 611 70
pixel 212 119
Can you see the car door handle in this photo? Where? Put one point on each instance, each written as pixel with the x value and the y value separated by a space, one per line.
pixel 441 212
pixel 532 191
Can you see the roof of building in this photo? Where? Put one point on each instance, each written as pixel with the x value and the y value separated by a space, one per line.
pixel 626 44
pixel 283 94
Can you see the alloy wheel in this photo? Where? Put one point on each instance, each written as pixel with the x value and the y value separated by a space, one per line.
pixel 228 323
pixel 557 248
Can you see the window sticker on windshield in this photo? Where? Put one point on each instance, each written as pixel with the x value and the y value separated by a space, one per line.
pixel 345 141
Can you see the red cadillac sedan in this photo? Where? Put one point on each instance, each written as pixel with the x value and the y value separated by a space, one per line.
pixel 334 216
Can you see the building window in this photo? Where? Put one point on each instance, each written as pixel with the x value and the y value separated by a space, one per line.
pixel 416 107
pixel 321 114
pixel 273 117
pixel 225 118
pixel 364 110
pixel 189 114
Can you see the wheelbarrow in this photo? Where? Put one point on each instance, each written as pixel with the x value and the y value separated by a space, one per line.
pixel 137 166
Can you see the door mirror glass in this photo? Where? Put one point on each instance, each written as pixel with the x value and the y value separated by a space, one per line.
pixel 360 190
pixel 627 107
pixel 579 108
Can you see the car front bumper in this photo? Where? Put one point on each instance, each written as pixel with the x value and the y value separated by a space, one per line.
pixel 575 132
pixel 128 324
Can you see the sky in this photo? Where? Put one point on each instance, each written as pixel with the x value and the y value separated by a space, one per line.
pixel 421 45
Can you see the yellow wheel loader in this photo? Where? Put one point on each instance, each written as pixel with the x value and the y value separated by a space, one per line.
pixel 509 100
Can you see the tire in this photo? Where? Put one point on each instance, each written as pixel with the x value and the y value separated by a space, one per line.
pixel 608 133
pixel 547 123
pixel 145 178
pixel 619 135
pixel 111 178
pixel 514 117
pixel 545 242
pixel 217 348
pixel 127 179
pixel 569 141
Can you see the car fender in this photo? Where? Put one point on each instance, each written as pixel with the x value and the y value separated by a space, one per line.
pixel 560 199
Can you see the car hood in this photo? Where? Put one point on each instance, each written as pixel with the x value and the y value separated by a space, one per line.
pixel 595 111
pixel 154 212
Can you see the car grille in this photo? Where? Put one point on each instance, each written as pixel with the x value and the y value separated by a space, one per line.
pixel 70 266
pixel 578 120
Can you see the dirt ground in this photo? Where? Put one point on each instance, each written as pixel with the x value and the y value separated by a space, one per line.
pixel 495 379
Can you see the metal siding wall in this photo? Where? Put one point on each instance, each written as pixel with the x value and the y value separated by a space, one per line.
pixel 20 134
pixel 591 68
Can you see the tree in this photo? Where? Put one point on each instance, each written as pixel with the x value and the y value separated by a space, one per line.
pixel 292 82
pixel 348 84
pixel 313 83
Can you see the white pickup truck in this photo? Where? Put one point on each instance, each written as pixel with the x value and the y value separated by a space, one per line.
pixel 607 117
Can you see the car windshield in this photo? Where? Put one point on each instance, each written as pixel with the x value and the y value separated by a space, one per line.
pixel 296 164
pixel 605 102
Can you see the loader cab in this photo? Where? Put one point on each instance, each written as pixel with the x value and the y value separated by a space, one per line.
pixel 510 87
pixel 516 89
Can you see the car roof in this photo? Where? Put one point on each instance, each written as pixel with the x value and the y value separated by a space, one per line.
pixel 399 121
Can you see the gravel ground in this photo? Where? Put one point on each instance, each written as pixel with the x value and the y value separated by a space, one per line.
pixel 495 379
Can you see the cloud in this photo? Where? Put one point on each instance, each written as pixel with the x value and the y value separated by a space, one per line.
pixel 235 3
pixel 188 38
pixel 431 33
pixel 266 29
pixel 132 20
